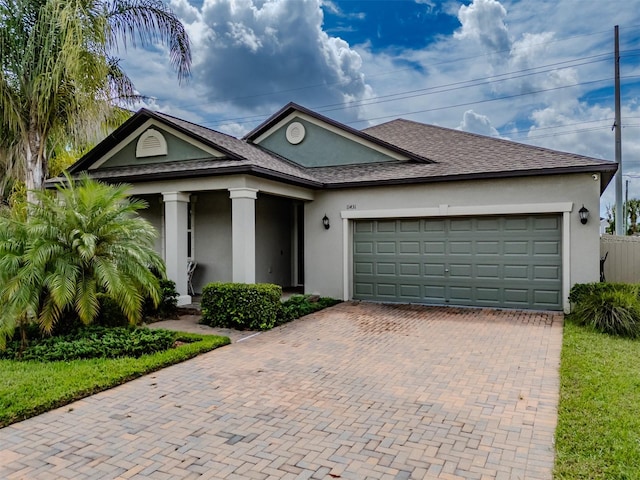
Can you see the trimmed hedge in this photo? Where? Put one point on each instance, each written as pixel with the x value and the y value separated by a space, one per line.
pixel 93 342
pixel 300 305
pixel 241 306
pixel 612 308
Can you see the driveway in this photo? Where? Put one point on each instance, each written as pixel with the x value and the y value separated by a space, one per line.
pixel 358 391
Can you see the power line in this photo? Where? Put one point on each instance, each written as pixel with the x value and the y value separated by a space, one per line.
pixel 427 91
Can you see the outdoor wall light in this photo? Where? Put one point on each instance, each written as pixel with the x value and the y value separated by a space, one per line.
pixel 584 215
pixel 325 222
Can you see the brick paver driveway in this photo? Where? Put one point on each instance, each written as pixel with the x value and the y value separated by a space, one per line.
pixel 357 391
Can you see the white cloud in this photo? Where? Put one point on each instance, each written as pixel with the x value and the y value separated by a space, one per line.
pixel 261 54
pixel 483 20
pixel 475 123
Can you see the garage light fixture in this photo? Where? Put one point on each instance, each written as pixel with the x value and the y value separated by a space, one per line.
pixel 584 215
pixel 325 222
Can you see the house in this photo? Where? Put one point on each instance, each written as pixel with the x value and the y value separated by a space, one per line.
pixel 398 212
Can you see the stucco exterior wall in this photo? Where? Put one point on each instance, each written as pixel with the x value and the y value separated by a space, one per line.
pixel 273 240
pixel 212 248
pixel 324 254
pixel 153 214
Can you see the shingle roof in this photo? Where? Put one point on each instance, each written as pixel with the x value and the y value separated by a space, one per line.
pixel 457 155
pixel 452 155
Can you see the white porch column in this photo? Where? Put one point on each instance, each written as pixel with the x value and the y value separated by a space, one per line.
pixel 243 233
pixel 175 226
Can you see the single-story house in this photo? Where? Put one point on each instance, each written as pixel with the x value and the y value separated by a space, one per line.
pixel 399 212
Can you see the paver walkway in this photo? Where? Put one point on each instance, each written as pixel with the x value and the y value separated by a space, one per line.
pixel 358 391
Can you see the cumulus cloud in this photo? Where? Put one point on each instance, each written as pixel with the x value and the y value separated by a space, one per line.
pixel 261 54
pixel 475 123
pixel 483 20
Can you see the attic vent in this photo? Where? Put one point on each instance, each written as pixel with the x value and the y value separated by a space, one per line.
pixel 295 133
pixel 150 144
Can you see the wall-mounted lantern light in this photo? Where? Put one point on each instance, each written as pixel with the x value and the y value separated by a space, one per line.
pixel 584 215
pixel 325 222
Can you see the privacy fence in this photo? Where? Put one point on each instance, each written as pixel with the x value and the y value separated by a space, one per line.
pixel 622 262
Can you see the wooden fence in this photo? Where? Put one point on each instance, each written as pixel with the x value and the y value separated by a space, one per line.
pixel 623 258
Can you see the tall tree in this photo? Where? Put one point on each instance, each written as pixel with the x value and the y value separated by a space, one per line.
pixel 58 79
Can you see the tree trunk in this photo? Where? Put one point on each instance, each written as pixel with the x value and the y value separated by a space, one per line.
pixel 34 157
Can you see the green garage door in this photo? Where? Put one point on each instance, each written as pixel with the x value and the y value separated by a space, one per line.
pixel 507 261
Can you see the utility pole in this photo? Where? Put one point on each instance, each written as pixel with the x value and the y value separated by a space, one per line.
pixel 619 219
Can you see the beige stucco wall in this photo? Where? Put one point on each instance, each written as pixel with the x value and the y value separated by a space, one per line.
pixel 153 214
pixel 212 232
pixel 273 240
pixel 324 272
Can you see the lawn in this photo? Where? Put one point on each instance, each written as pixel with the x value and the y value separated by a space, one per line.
pixel 598 434
pixel 30 388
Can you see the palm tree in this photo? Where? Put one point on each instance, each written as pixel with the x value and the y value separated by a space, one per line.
pixel 58 80
pixel 633 209
pixel 85 241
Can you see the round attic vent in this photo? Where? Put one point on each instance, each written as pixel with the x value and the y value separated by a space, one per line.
pixel 295 133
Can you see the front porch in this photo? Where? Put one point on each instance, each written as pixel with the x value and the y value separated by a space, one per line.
pixel 239 234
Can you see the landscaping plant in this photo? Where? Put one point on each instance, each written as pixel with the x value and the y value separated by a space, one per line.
pixel 612 308
pixel 71 247
pixel 241 306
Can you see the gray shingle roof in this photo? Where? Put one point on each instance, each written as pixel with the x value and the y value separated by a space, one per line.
pixel 453 155
pixel 456 154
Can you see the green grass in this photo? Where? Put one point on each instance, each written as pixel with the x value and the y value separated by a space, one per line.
pixel 598 434
pixel 30 388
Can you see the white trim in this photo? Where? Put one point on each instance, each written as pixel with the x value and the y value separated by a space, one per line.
pixel 566 261
pixel 346 290
pixel 456 211
pixel 332 129
pixel 175 197
pixel 564 208
pixel 251 193
pixel 162 127
pixel 210 183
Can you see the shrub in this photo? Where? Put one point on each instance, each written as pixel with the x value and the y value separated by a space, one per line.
pixel 613 310
pixel 300 305
pixel 168 306
pixel 110 314
pixel 581 291
pixel 241 306
pixel 94 342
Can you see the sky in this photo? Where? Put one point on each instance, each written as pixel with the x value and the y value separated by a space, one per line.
pixel 539 72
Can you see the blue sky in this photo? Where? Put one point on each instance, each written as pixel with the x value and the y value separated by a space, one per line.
pixel 533 71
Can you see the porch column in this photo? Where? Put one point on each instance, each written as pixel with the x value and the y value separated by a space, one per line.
pixel 175 234
pixel 243 233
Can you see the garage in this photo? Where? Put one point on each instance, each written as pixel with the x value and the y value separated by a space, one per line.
pixel 512 261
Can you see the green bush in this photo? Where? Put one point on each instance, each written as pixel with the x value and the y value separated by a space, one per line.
pixel 241 306
pixel 300 305
pixel 168 306
pixel 608 308
pixel 110 314
pixel 581 291
pixel 93 342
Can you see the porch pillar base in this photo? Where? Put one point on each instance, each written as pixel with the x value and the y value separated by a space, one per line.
pixel 184 300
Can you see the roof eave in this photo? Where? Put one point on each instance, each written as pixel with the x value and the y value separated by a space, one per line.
pixel 231 170
pixel 606 173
